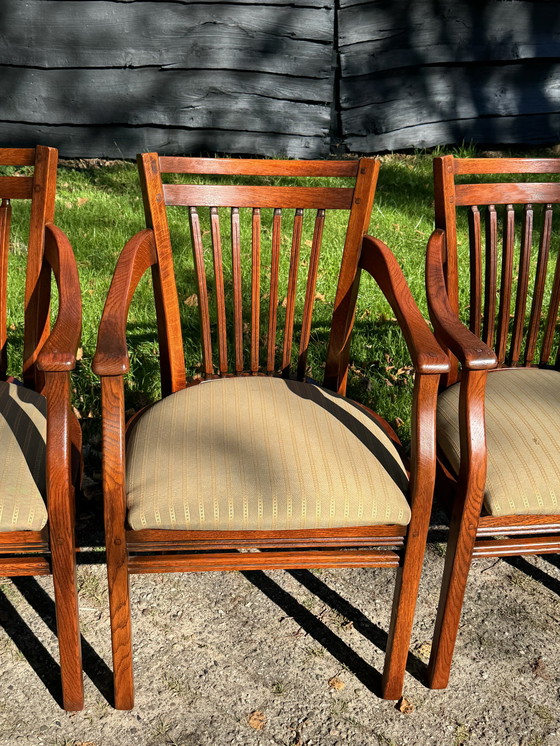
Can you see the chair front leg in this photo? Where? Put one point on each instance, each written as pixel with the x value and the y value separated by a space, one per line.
pixel 464 524
pixel 408 575
pixel 112 397
pixel 60 499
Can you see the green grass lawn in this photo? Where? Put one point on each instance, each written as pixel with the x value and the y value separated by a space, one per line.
pixel 99 207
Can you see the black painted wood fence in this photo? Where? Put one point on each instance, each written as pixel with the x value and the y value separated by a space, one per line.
pixel 298 78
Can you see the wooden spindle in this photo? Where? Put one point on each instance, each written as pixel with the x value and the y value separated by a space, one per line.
pixel 273 304
pixel 475 270
pixel 198 254
pixel 310 293
pixel 522 283
pixel 552 318
pixel 5 221
pixel 220 293
pixel 540 279
pixel 255 289
pixel 291 293
pixel 237 288
pixel 505 284
pixel 490 273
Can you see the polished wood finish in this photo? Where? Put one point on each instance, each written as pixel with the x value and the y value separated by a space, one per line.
pixel 507 337
pixel 154 550
pixel 49 356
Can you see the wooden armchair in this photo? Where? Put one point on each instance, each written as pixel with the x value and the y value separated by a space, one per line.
pixel 498 426
pixel 40 436
pixel 250 458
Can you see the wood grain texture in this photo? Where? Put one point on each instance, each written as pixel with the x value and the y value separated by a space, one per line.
pixel 264 37
pixel 378 36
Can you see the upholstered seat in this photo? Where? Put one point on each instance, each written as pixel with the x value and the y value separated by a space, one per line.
pixel 262 453
pixel 22 458
pixel 523 440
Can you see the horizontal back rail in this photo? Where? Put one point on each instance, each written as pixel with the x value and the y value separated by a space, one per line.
pixel 16 187
pixel 198 195
pixel 485 166
pixel 505 194
pixel 255 167
pixel 17 156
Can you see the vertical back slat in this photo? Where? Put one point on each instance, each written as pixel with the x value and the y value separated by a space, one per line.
pixel 475 270
pixel 198 255
pixel 5 220
pixel 505 284
pixel 310 292
pixel 255 289
pixel 237 288
pixel 552 317
pixel 522 283
pixel 291 292
pixel 220 293
pixel 273 303
pixel 540 279
pixel 490 273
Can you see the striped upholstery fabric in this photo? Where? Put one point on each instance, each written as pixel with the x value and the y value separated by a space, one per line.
pixel 261 453
pixel 523 440
pixel 23 431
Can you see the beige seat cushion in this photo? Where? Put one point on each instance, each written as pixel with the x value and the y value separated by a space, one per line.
pixel 523 439
pixel 261 453
pixel 23 430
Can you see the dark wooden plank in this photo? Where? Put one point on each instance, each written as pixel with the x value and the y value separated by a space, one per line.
pixel 432 94
pixel 203 98
pixel 89 33
pixel 532 129
pixel 125 142
pixel 379 35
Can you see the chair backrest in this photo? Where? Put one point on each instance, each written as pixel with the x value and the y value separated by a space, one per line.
pixel 280 265
pixel 39 186
pixel 514 286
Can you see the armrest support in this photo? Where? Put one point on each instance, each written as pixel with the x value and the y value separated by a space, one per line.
pixel 377 259
pixel 59 351
pixel 111 355
pixel 466 346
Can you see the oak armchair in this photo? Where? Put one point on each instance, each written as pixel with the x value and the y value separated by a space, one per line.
pixel 498 424
pixel 41 442
pixel 258 456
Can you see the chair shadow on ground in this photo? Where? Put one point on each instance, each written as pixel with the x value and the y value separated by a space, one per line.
pixel 33 650
pixel 535 573
pixel 313 626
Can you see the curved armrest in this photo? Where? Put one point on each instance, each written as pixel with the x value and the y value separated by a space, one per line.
pixel 466 346
pixel 377 259
pixel 111 355
pixel 59 351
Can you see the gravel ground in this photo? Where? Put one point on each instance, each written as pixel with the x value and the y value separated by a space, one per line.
pixel 290 659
